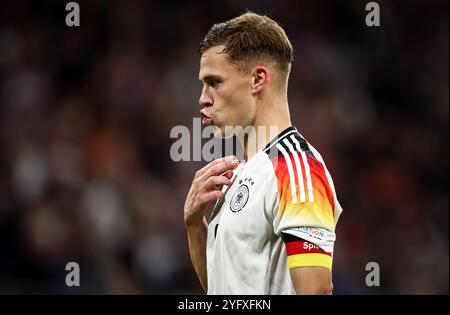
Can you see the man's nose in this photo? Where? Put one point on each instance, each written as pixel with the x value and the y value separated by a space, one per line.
pixel 205 99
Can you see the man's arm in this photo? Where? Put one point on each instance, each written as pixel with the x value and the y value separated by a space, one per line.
pixel 204 191
pixel 197 234
pixel 312 280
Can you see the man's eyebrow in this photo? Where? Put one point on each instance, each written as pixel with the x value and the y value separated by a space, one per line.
pixel 210 77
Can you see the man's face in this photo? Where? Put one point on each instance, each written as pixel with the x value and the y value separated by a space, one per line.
pixel 226 98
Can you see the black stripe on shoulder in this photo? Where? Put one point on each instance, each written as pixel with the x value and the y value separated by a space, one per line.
pixel 303 144
pixel 290 238
pixel 281 135
pixel 289 135
pixel 271 148
pixel 273 151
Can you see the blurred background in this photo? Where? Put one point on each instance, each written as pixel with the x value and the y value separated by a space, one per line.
pixel 86 113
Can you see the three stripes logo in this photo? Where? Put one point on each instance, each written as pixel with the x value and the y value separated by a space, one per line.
pixel 302 169
pixel 290 148
pixel 295 150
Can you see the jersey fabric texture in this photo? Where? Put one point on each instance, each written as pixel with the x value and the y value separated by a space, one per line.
pixel 279 213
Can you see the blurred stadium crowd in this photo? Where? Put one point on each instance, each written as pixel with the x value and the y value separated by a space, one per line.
pixel 86 113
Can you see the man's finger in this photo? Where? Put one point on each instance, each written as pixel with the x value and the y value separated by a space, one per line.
pixel 228 174
pixel 220 168
pixel 211 196
pixel 214 181
pixel 201 171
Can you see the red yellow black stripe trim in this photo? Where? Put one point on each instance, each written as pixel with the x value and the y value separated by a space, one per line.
pixel 303 247
pixel 309 260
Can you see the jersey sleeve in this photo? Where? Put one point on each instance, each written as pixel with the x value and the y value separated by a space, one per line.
pixel 304 217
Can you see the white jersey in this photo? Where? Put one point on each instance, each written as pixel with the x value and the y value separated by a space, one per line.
pixel 279 213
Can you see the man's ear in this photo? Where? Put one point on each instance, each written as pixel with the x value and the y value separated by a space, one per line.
pixel 260 77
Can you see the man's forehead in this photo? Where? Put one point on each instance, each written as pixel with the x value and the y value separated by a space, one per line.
pixel 215 51
pixel 213 57
pixel 213 61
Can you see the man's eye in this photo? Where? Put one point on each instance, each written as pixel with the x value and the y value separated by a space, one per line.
pixel 213 83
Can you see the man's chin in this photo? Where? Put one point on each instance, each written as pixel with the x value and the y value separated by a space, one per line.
pixel 222 132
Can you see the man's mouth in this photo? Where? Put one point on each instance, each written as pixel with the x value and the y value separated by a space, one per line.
pixel 206 121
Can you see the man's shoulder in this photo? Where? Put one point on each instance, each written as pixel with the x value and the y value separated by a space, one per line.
pixel 299 168
pixel 287 147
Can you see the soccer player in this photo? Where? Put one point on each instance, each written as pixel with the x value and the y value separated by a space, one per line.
pixel 265 225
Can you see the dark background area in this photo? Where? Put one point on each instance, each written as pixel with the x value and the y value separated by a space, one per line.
pixel 86 113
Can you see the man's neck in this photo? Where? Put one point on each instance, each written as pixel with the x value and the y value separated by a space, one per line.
pixel 272 119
